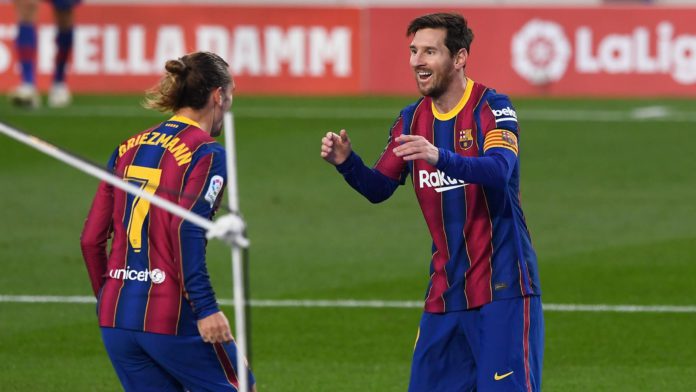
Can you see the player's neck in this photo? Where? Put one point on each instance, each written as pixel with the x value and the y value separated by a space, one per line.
pixel 202 117
pixel 451 97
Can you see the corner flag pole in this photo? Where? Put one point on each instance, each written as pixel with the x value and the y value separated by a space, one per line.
pixel 237 268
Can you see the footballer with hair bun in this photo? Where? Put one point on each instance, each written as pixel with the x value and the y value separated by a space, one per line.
pixel 159 317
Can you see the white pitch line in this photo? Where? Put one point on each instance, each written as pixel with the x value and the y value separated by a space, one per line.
pixel 326 303
pixel 351 303
pixel 642 114
pixel 619 308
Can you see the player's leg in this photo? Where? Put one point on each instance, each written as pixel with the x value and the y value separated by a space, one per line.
pixel 26 44
pixel 134 367
pixel 59 95
pixel 442 357
pixel 511 345
pixel 199 366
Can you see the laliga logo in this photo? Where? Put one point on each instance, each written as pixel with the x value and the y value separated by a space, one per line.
pixel 540 52
pixel 634 54
pixel 214 189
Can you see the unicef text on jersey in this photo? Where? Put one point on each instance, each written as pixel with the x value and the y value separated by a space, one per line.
pixel 156 275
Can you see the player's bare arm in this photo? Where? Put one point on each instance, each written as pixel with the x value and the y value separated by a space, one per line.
pixel 416 147
pixel 336 148
pixel 215 328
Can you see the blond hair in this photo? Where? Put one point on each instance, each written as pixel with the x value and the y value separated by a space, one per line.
pixel 188 82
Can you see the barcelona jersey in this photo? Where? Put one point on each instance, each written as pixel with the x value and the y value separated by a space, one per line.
pixel 481 249
pixel 154 278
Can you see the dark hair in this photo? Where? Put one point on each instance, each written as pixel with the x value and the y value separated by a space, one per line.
pixel 188 82
pixel 459 35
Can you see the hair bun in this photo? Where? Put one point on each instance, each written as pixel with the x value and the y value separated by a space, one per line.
pixel 176 67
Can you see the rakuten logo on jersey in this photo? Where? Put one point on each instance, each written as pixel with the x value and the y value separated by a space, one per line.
pixel 156 275
pixel 438 180
pixel 541 52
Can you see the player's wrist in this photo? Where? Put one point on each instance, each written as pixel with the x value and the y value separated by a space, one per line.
pixel 347 164
pixel 442 159
pixel 435 156
pixel 206 312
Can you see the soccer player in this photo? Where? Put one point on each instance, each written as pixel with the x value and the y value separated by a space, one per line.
pixel 482 326
pixel 159 318
pixel 26 93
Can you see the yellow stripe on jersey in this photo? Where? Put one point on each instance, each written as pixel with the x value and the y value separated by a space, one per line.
pixel 458 107
pixel 501 138
pixel 185 120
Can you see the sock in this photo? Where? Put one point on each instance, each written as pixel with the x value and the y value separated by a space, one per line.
pixel 64 42
pixel 26 50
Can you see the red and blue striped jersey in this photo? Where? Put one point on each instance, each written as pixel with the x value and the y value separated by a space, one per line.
pixel 155 278
pixel 470 200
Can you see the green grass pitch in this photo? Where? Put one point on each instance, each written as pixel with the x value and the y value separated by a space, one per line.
pixel 608 187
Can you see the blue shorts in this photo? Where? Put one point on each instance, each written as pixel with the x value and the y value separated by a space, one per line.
pixel 153 362
pixel 64 5
pixel 497 347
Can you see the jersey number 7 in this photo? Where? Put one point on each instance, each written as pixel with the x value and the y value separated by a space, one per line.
pixel 148 179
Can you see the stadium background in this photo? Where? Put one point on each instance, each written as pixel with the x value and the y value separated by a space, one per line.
pixel 604 92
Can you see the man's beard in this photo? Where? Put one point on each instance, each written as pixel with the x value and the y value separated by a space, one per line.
pixel 437 87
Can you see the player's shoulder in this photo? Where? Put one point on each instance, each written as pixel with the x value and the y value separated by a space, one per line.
pixel 410 109
pixel 499 105
pixel 402 123
pixel 213 156
pixel 210 147
pixel 497 100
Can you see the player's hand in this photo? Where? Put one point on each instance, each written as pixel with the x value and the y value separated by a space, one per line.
pixel 215 328
pixel 335 148
pixel 416 147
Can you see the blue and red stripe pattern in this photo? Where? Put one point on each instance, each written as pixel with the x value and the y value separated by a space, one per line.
pixel 481 249
pixel 155 279
pixel 226 364
pixel 64 45
pixel 26 45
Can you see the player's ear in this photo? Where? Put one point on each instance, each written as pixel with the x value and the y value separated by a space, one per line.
pixel 460 58
pixel 217 96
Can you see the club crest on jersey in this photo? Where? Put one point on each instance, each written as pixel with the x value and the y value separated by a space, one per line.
pixel 509 138
pixel 214 189
pixel 466 140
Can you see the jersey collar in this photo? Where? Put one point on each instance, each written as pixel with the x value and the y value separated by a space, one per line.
pixel 460 105
pixel 185 120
